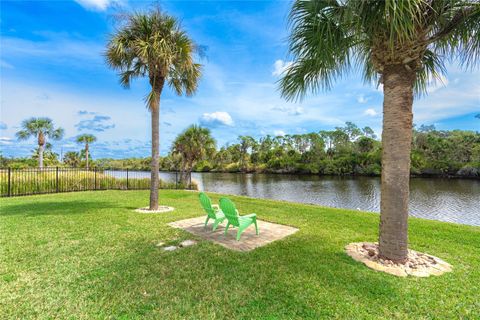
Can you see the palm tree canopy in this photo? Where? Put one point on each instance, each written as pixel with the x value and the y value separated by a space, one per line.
pixel 153 44
pixel 194 143
pixel 331 37
pixel 86 138
pixel 35 126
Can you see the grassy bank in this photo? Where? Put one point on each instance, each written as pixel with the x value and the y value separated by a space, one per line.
pixel 88 255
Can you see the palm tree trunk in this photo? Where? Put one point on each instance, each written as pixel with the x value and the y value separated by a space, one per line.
pixel 157 86
pixel 40 156
pixel 155 157
pixel 41 144
pixel 86 154
pixel 396 147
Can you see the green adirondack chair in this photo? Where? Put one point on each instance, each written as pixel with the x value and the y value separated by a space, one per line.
pixel 213 211
pixel 234 219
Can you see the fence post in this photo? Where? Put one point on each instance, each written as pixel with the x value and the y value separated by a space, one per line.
pixel 190 183
pixel 9 181
pixel 95 178
pixel 176 179
pixel 56 179
pixel 127 178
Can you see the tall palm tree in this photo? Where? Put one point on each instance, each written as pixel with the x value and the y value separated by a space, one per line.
pixel 153 45
pixel 86 139
pixel 401 44
pixel 193 145
pixel 40 128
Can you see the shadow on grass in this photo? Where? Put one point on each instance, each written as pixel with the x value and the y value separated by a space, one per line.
pixel 54 208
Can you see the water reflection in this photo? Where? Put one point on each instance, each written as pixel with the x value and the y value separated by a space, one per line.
pixel 452 200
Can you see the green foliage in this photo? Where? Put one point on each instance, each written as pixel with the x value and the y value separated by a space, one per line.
pixel 40 128
pixel 72 159
pixel 343 151
pixel 86 138
pixel 152 44
pixel 193 145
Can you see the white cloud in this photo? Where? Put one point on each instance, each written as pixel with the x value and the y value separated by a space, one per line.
pixel 362 99
pixel 293 111
pixel 98 5
pixel 279 133
pixel 370 112
pixel 217 118
pixel 280 67
pixel 5 140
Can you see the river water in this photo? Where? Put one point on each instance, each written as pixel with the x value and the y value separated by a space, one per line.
pixel 451 200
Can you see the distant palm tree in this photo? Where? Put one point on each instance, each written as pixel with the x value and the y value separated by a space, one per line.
pixel 40 128
pixel 193 145
pixel 153 45
pixel 86 139
pixel 403 44
pixel 71 158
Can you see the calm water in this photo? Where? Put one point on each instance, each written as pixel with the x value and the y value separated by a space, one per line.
pixel 452 200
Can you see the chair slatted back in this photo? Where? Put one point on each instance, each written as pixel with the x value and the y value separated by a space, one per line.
pixel 228 208
pixel 207 205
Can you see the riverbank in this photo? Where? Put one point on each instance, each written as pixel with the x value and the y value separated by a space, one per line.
pixel 471 175
pixel 88 255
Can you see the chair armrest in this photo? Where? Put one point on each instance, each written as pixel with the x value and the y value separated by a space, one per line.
pixel 251 215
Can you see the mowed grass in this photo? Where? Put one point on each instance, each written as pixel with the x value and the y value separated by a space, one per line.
pixel 89 256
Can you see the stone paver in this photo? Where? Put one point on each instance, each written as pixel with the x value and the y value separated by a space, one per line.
pixel 187 243
pixel 268 232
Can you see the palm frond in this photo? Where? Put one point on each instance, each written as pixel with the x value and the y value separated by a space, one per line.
pixel 329 37
pixel 154 44
pixel 320 43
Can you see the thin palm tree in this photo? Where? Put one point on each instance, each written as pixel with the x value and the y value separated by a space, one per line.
pixel 401 44
pixel 86 139
pixel 193 145
pixel 153 45
pixel 40 128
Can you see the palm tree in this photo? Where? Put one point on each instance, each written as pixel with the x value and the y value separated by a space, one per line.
pixel 402 44
pixel 86 139
pixel 71 158
pixel 193 145
pixel 154 45
pixel 40 128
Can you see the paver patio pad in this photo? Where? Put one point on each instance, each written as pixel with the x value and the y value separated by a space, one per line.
pixel 268 232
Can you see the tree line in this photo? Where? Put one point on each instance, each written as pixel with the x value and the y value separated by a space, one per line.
pixel 346 150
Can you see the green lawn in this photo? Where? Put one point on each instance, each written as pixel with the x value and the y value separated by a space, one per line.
pixel 89 256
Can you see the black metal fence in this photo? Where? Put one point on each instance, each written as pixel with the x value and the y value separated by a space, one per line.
pixel 19 182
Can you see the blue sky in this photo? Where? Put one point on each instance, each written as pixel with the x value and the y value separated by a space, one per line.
pixel 51 65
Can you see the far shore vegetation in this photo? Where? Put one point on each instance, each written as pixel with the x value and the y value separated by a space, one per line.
pixel 347 150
